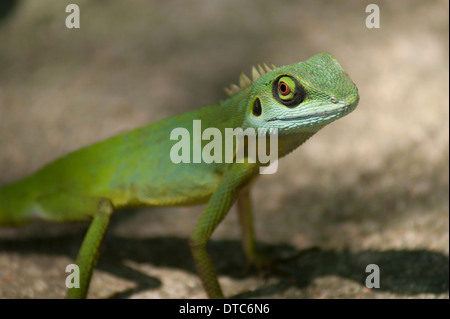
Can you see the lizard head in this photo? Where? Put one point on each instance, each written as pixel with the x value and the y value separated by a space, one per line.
pixel 302 97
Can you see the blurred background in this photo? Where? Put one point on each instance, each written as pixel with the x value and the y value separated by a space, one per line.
pixel 370 188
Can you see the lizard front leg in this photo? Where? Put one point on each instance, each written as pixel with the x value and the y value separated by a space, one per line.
pixel 218 206
pixel 254 257
pixel 245 214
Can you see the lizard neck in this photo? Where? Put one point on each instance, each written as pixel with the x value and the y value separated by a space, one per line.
pixel 289 142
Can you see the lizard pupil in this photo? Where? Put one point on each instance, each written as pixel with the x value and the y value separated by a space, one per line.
pixel 284 88
pixel 257 109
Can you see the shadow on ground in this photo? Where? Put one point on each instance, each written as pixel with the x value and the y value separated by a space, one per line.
pixel 402 271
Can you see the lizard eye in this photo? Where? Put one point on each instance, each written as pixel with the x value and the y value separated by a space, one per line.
pixel 286 88
pixel 288 91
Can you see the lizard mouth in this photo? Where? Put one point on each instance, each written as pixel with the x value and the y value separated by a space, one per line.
pixel 307 116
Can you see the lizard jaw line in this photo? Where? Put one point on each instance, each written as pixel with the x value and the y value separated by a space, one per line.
pixel 303 117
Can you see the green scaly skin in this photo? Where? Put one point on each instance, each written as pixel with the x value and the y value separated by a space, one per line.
pixel 134 168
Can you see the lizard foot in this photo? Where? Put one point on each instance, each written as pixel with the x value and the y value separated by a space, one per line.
pixel 265 264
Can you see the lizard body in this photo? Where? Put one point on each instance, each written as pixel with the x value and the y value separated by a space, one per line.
pixel 135 168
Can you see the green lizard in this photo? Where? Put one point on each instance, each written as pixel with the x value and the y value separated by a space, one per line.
pixel 135 168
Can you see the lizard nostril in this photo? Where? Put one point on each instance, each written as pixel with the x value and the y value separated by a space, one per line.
pixel 257 109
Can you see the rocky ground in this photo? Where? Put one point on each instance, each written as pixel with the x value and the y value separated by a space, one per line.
pixel 372 188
